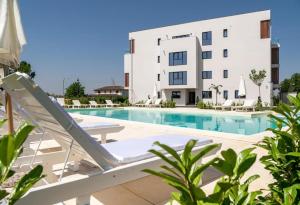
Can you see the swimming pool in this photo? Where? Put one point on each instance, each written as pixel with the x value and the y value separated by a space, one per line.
pixel 228 124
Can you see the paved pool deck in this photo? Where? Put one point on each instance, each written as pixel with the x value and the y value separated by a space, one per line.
pixel 151 190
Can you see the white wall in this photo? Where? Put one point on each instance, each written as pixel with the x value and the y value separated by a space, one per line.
pixel 246 51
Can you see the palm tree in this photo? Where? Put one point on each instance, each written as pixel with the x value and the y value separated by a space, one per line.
pixel 217 90
pixel 257 78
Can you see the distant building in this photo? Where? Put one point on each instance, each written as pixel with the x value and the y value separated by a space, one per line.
pixel 113 90
pixel 182 61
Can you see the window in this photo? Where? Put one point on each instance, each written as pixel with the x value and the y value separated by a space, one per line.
pixel 158 59
pixel 177 78
pixel 206 38
pixel 206 94
pixel 206 74
pixel 158 77
pixel 126 79
pixel 236 95
pixel 181 36
pixel 178 58
pixel 225 53
pixel 225 73
pixel 225 94
pixel 131 46
pixel 225 33
pixel 175 94
pixel 206 55
pixel 275 75
pixel 158 41
pixel 158 95
pixel 265 29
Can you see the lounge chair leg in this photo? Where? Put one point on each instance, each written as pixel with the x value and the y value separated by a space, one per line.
pixel 66 161
pixel 83 200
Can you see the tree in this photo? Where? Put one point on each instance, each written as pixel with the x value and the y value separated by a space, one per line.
pixel 217 90
pixel 26 68
pixel 257 78
pixel 292 84
pixel 75 90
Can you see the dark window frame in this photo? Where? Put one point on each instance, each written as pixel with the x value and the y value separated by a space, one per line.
pixel 207 38
pixel 178 58
pixel 225 32
pixel 207 74
pixel 176 94
pixel 225 73
pixel 225 96
pixel 205 55
pixel 158 77
pixel 158 41
pixel 206 94
pixel 158 59
pixel 225 53
pixel 178 78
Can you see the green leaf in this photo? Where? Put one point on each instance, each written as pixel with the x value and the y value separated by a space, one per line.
pixel 201 168
pixel 170 151
pixel 7 150
pixel 3 194
pixel 2 121
pixel 187 151
pixel 22 133
pixel 245 165
pixel 25 183
pixel 290 194
pixel 203 151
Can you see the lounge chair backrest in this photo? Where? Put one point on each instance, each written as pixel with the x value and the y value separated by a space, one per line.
pixel 157 102
pixel 109 102
pixel 148 102
pixel 249 103
pixel 76 102
pixel 93 102
pixel 227 103
pixel 61 101
pixel 52 118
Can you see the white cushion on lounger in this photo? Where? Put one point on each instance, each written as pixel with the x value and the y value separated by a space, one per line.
pixel 88 125
pixel 132 150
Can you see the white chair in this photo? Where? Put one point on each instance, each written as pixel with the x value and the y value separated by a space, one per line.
pixel 93 103
pixel 77 104
pixel 226 105
pixel 62 103
pixel 248 104
pixel 109 103
pixel 157 103
pixel 147 103
pixel 119 162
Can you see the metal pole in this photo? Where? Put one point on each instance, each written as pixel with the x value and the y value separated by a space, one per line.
pixel 9 113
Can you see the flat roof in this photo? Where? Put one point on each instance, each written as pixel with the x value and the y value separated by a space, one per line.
pixel 240 14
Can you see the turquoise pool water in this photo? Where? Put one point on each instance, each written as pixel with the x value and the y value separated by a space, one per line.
pixel 220 123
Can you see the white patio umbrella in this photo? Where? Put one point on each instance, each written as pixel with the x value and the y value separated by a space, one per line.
pixel 242 89
pixel 12 39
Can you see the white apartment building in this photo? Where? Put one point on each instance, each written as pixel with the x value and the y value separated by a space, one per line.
pixel 180 62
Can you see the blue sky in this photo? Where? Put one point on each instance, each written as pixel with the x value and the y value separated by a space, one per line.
pixel 87 38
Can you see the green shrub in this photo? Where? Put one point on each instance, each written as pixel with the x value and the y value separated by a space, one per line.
pixel 68 101
pixel 201 105
pixel 169 104
pixel 10 149
pixel 283 158
pixel 85 100
pixel 282 161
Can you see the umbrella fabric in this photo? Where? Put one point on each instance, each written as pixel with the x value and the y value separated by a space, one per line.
pixel 12 36
pixel 154 91
pixel 242 89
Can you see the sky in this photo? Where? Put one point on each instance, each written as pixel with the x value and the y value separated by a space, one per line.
pixel 86 39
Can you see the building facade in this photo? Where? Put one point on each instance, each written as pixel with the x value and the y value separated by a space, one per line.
pixel 113 90
pixel 182 61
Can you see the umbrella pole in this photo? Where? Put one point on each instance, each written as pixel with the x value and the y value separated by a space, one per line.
pixel 8 108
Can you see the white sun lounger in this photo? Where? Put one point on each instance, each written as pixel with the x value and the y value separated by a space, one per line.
pixel 77 104
pixel 62 103
pixel 147 103
pixel 120 162
pixel 157 103
pixel 226 105
pixel 93 103
pixel 109 103
pixel 248 104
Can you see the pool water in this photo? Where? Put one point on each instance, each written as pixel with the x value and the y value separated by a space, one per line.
pixel 228 124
